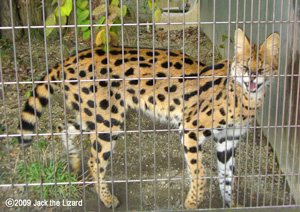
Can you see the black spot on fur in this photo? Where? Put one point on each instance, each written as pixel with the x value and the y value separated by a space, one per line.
pixel 160 74
pixel 178 65
pixel 130 90
pixel 76 97
pixel 161 97
pixel 219 95
pixel 135 100
pixel 104 61
pixel 129 72
pixel 120 61
pixel 150 99
pixel 27 126
pixel 166 64
pixel 145 65
pixel 172 54
pixel 208 68
pixel 30 109
pixel 100 52
pixel 193 161
pixel 209 112
pixel 88 112
pixel 73 83
pixel 97 146
pixel 93 88
pixel 103 71
pixel 193 136
pixel 99 118
pixel 222 158
pixel 133 82
pixel 122 103
pixel 150 54
pixel 204 109
pixel 193 149
pixel 222 111
pixel 67 88
pixel 104 136
pixel 207 133
pixel 51 88
pixel 114 109
pixel 90 125
pixel 90 68
pixel 118 96
pixel 142 91
pixel 173 88
pixel 188 75
pixel 194 123
pixel 104 104
pixel 132 51
pixel 106 155
pixel 103 83
pixel 85 90
pixel 115 84
pixel 172 108
pixel 91 103
pixel 151 60
pixel 176 101
pixel 188 61
pixel 150 82
pixel 82 73
pixel 71 70
pixel 223 122
pixel 236 100
pixel 75 106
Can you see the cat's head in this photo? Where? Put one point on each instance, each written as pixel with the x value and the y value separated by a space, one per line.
pixel 252 68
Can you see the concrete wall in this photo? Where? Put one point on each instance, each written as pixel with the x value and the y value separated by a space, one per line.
pixel 282 108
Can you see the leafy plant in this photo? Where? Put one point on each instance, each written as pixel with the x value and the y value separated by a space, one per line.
pixel 115 13
pixel 114 16
pixel 157 10
pixel 37 172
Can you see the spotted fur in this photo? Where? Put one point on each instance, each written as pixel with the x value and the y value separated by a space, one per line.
pixel 217 101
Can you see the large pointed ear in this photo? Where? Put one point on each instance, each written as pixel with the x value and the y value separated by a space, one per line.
pixel 242 43
pixel 271 44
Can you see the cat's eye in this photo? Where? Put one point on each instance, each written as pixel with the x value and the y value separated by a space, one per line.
pixel 246 69
pixel 260 71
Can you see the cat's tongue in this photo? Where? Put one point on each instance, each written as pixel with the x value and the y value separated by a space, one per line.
pixel 252 86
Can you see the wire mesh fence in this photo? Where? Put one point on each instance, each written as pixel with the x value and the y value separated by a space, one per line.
pixel 231 123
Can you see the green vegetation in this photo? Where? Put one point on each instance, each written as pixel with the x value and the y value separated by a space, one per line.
pixel 48 172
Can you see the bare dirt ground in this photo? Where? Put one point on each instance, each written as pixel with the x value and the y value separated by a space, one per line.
pixel 148 169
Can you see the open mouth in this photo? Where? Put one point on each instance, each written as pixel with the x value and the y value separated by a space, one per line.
pixel 252 87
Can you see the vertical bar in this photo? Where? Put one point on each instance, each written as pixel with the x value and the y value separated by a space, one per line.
pixel 125 130
pixel 284 99
pixel 277 103
pixel 198 90
pixel 80 115
pixel 6 129
pixel 139 102
pixel 65 115
pixel 294 44
pixel 212 103
pixel 169 159
pixel 34 102
pixel 227 86
pixel 269 114
pixel 154 101
pixel 18 94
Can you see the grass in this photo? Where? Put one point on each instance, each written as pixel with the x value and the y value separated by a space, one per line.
pixel 48 171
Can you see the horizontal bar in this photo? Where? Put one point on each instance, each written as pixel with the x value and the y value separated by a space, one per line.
pixel 149 24
pixel 145 180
